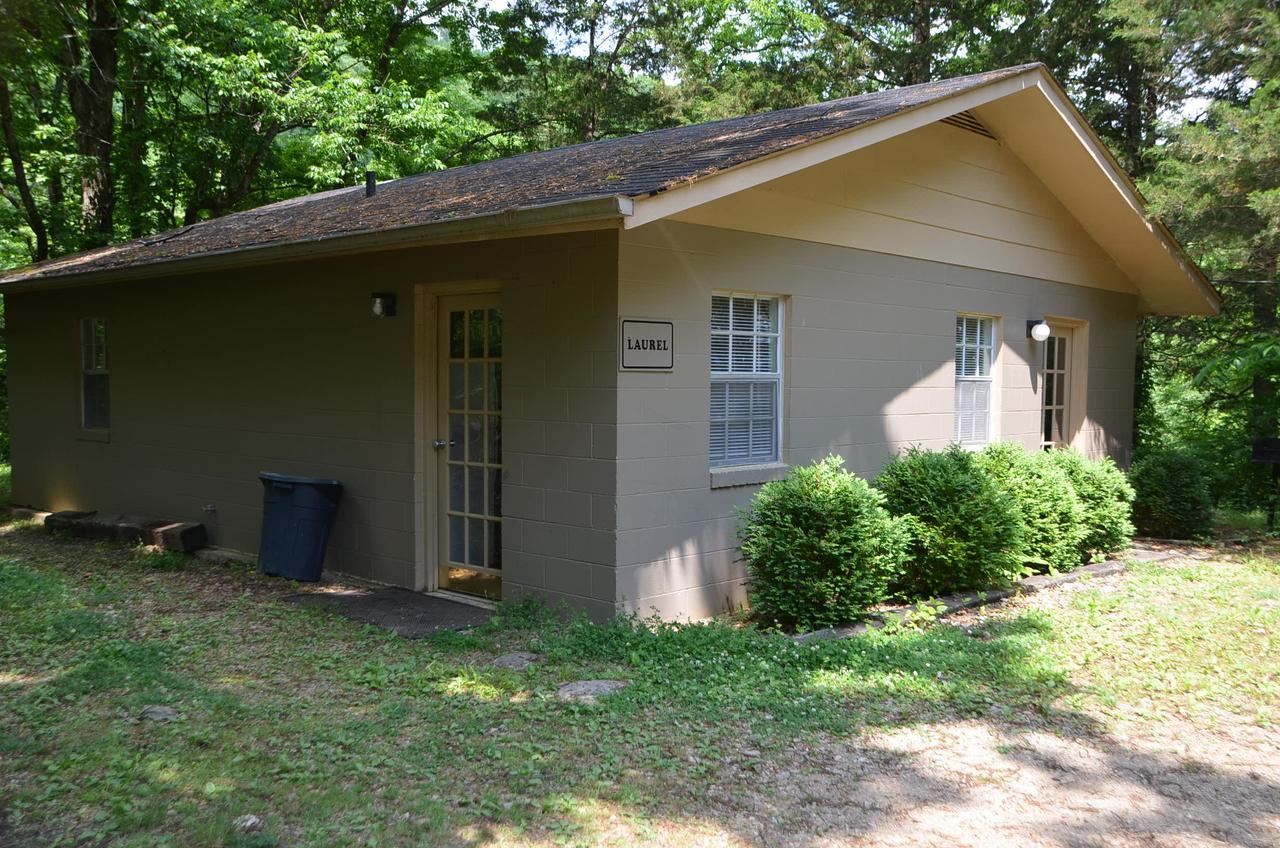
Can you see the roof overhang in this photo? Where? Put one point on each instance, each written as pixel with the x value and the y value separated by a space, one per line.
pixel 593 213
pixel 1028 112
pixel 1034 118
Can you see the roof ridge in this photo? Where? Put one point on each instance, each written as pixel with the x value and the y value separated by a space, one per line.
pixel 998 73
pixel 632 165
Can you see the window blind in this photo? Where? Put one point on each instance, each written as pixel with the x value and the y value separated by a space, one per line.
pixel 975 352
pixel 746 380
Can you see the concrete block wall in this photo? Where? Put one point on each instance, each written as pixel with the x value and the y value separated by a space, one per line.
pixel 216 377
pixel 869 369
pixel 559 420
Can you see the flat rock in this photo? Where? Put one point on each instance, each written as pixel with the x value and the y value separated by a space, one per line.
pixel 66 519
pixel 183 536
pixel 835 632
pixel 587 691
pixel 133 529
pixel 160 714
pixel 248 824
pixel 516 661
pixel 1145 554
pixel 22 513
pixel 225 556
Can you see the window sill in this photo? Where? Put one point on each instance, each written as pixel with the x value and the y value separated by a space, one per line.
pixel 93 435
pixel 747 475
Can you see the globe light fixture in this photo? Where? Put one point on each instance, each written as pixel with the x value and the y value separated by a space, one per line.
pixel 382 304
pixel 1038 330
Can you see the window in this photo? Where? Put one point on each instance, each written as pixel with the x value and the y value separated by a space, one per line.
pixel 975 352
pixel 746 379
pixel 95 384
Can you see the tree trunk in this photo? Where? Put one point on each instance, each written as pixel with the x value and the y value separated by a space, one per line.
pixel 91 89
pixel 28 202
pixel 592 107
pixel 921 39
pixel 133 131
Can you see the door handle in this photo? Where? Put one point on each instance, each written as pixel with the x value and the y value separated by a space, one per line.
pixel 441 444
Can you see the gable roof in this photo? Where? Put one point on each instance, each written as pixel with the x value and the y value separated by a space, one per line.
pixel 634 179
pixel 631 166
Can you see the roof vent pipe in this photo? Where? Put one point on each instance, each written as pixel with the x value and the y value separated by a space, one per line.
pixel 370 183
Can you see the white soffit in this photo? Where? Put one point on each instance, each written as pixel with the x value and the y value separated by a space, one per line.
pixel 1042 128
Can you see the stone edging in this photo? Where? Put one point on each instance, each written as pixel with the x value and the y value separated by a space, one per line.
pixel 22 513
pixel 954 603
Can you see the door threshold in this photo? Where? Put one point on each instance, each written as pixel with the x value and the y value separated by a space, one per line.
pixel 463 598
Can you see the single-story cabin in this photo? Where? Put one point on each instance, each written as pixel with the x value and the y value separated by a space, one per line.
pixel 560 373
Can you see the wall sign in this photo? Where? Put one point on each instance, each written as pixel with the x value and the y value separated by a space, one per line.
pixel 646 345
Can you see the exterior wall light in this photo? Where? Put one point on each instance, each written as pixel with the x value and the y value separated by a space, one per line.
pixel 1038 329
pixel 382 304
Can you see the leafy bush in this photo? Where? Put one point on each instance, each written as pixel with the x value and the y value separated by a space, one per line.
pixel 1052 516
pixel 820 547
pixel 1171 485
pixel 967 531
pixel 1105 495
pixel 1178 410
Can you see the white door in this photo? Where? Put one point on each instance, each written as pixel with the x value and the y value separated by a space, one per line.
pixel 469 444
pixel 1055 389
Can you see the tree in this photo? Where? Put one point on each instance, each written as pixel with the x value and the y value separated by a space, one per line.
pixel 1217 185
pixel 581 70
pixel 171 111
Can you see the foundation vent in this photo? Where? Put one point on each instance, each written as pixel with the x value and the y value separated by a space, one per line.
pixel 966 121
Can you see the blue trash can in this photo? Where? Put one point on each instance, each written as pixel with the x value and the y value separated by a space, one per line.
pixel 296 515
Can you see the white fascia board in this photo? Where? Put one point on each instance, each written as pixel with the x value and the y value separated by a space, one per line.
pixel 706 189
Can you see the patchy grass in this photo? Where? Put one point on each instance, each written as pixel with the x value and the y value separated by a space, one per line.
pixel 1197 641
pixel 339 734
pixel 1241 523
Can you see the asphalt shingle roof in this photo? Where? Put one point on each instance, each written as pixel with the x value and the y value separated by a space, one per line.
pixel 631 166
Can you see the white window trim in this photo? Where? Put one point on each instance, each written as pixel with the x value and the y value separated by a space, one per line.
pixel 752 376
pixel 87 371
pixel 993 394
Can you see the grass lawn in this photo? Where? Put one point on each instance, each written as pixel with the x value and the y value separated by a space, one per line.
pixel 338 734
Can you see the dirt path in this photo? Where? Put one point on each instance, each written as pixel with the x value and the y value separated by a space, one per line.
pixel 985 785
pixel 996 784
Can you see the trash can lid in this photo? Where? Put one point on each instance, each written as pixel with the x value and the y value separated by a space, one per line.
pixel 293 478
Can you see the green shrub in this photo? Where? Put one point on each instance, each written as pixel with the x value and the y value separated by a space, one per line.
pixel 967 531
pixel 1052 517
pixel 1172 498
pixel 1105 495
pixel 820 548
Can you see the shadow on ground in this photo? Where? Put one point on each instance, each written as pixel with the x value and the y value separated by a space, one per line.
pixel 335 733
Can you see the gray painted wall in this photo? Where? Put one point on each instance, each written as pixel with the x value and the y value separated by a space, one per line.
pixel 869 370
pixel 219 376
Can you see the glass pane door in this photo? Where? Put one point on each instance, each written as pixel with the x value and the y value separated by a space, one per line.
pixel 1055 391
pixel 471 446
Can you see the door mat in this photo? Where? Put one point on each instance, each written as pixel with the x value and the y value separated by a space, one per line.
pixel 410 614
